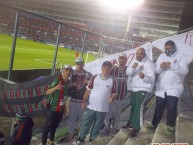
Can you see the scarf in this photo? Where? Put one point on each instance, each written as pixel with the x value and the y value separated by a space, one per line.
pixel 61 94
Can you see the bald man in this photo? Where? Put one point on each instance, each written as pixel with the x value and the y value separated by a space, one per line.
pixel 142 74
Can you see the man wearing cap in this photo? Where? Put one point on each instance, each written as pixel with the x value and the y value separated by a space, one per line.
pixel 80 79
pixel 23 130
pixel 142 76
pixel 100 91
pixel 58 92
pixel 118 74
pixel 172 68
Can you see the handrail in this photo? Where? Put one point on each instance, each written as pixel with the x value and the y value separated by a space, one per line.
pixel 7 81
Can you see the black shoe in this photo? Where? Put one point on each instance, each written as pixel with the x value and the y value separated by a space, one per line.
pixel 127 126
pixel 90 140
pixel 133 133
pixel 76 132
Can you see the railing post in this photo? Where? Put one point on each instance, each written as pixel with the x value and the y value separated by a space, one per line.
pixel 13 46
pixel 56 50
pixel 84 41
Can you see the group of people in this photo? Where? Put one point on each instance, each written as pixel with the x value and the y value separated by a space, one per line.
pixel 96 100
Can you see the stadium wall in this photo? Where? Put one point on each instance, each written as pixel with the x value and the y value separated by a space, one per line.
pixel 20 76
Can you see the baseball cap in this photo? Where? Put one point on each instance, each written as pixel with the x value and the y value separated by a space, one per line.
pixel 79 60
pixel 67 66
pixel 107 63
pixel 20 115
pixel 123 55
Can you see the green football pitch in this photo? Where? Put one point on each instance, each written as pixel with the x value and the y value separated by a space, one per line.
pixel 33 55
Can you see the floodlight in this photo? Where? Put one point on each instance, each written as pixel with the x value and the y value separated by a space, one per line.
pixel 121 4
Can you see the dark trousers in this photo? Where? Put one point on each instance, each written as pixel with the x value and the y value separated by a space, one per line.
pixel 52 122
pixel 170 102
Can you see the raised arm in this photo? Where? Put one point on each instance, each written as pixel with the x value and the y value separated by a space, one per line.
pixel 54 88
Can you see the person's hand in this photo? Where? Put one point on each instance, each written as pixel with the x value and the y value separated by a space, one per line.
pixel 141 75
pixel 163 65
pixel 135 65
pixel 168 64
pixel 83 105
pixel 59 86
pixel 110 99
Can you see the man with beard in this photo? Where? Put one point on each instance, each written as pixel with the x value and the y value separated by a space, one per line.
pixel 142 76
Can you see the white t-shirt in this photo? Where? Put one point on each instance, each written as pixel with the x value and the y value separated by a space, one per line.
pixel 101 89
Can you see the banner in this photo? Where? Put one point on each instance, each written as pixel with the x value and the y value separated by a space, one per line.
pixel 27 97
pixel 183 42
pixel 94 67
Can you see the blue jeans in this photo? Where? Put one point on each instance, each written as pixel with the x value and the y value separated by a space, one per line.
pixel 170 102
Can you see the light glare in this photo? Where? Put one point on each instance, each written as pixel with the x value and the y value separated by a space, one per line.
pixel 121 4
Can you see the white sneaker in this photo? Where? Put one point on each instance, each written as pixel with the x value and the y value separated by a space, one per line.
pixel 78 142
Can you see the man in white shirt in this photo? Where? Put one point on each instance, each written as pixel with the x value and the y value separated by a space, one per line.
pixel 100 91
pixel 118 73
pixel 172 68
pixel 142 76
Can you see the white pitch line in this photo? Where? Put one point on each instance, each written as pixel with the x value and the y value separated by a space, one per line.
pixel 57 59
pixel 42 61
pixel 27 49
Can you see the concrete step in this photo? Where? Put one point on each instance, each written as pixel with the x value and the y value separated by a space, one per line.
pixel 184 130
pixel 185 104
pixel 144 137
pixel 101 140
pixel 162 136
pixel 120 138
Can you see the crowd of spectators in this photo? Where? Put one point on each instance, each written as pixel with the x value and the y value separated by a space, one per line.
pixel 46 31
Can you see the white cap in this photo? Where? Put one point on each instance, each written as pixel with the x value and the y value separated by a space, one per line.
pixel 67 66
pixel 79 59
pixel 123 55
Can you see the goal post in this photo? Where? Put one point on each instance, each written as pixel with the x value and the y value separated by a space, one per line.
pixel 91 52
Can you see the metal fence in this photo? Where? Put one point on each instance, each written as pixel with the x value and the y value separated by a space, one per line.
pixel 26 25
